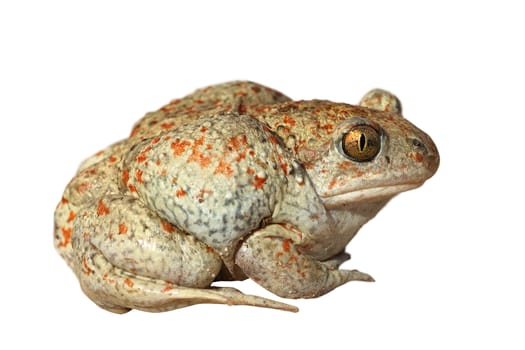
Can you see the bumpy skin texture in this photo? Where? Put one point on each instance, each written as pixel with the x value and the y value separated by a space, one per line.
pixel 236 181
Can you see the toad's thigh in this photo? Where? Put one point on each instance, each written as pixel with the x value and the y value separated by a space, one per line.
pixel 136 240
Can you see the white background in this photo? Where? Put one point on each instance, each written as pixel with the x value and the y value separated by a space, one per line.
pixel 448 258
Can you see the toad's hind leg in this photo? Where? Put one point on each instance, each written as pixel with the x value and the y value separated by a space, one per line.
pixel 117 291
pixel 128 258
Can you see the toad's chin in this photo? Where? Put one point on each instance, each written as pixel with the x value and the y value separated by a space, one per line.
pixel 367 194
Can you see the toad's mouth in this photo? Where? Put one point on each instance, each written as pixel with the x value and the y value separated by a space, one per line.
pixel 366 194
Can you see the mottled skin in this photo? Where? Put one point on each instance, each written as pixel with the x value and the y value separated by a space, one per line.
pixel 236 181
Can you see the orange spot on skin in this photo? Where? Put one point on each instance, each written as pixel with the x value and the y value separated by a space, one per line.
pixel 243 109
pixel 166 226
pixel 240 157
pixel 83 187
pixel 209 250
pixel 179 147
pixel 102 209
pixel 332 183
pixel 155 140
pixel 236 142
pixel 138 175
pixel 288 120
pixel 284 166
pixel 122 229
pixel 168 288
pixel 99 153
pixel 223 168
pixel 250 171
pixel 284 129
pixel 327 127
pixel 203 129
pixel 135 131
pixel 71 216
pixel 202 192
pixel 292 259
pixel 143 155
pixel 125 176
pixel 286 245
pixel 87 270
pixel 258 182
pixel 106 278
pixel 167 126
pixel 273 140
pixel 198 156
pixel 344 166
pixel 113 159
pixel 132 188
pixel 64 200
pixel 180 193
pixel 66 233
pixel 129 282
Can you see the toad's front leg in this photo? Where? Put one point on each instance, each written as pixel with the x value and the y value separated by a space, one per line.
pixel 271 258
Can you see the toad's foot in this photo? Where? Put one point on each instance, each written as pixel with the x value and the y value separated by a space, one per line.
pixel 232 296
pixel 271 258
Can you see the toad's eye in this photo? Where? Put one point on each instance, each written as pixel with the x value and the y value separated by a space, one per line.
pixel 361 143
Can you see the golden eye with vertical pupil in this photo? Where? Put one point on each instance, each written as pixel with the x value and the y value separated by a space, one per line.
pixel 361 143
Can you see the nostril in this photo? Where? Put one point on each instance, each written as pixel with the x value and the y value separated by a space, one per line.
pixel 418 144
